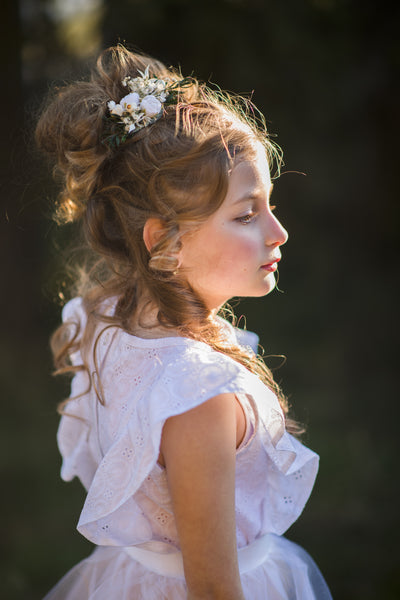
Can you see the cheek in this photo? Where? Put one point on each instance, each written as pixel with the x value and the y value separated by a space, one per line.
pixel 232 256
pixel 241 249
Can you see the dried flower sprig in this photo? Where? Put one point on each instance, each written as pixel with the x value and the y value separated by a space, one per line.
pixel 142 106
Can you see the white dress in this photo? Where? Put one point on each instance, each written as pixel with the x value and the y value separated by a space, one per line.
pixel 113 449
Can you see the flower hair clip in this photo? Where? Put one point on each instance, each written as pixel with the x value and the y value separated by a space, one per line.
pixel 143 105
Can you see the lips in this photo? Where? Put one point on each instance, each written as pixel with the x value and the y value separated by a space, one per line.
pixel 271 266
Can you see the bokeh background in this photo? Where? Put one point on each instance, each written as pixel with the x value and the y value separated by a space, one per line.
pixel 326 75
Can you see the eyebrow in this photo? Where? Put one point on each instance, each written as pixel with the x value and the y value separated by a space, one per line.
pixel 253 196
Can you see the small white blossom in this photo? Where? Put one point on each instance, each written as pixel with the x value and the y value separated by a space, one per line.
pixel 115 109
pixel 138 86
pixel 144 75
pixel 160 85
pixel 130 102
pixel 151 106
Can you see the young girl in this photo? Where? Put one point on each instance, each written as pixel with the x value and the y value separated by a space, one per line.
pixel 174 426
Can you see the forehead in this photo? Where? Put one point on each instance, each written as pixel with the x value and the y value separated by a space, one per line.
pixel 249 175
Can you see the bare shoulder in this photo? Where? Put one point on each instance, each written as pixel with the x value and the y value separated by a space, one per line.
pixel 218 414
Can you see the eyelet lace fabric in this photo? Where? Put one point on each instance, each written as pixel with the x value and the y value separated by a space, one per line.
pixel 114 448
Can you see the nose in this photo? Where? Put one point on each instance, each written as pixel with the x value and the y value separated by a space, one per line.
pixel 276 233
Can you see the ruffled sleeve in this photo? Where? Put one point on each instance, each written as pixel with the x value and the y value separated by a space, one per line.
pixel 183 377
pixel 278 471
pixel 80 455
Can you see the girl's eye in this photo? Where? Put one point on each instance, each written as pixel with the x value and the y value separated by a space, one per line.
pixel 245 219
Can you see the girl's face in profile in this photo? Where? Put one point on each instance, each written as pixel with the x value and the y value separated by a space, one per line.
pixel 236 251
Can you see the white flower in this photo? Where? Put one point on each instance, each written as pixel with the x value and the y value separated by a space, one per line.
pixel 160 85
pixel 138 85
pixel 151 106
pixel 130 102
pixel 115 109
pixel 154 86
pixel 144 75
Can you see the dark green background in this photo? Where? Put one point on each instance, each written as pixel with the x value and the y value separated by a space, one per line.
pixel 325 73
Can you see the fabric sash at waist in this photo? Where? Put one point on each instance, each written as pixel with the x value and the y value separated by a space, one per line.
pixel 158 557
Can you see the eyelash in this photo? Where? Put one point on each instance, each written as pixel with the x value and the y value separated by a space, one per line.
pixel 246 219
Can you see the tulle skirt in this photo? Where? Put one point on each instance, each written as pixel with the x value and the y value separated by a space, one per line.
pixel 286 573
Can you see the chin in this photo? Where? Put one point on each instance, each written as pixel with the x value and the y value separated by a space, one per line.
pixel 268 291
pixel 258 293
pixel 269 285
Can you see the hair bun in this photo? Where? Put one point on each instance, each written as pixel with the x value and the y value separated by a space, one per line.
pixel 71 129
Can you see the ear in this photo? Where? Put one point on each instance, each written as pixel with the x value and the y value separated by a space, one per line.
pixel 152 231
